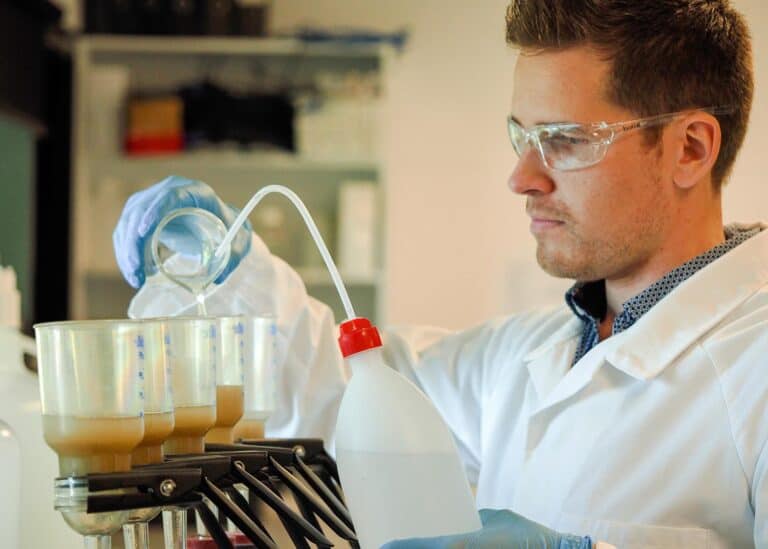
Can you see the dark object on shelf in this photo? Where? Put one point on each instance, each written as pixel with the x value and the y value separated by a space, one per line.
pixel 213 115
pixel 219 17
pixel 253 20
pixel 127 16
pixel 176 17
pixel 154 16
pixel 185 17
pixel 111 16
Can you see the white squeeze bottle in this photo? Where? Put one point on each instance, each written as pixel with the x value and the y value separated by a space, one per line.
pixel 399 466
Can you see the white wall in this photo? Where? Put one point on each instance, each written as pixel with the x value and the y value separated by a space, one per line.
pixel 457 237
pixel 746 197
pixel 459 248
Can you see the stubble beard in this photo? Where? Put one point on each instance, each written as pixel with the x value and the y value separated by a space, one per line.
pixel 613 254
pixel 583 261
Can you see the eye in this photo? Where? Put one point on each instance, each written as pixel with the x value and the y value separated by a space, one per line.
pixel 563 140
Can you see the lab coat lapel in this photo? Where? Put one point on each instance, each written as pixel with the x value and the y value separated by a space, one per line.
pixel 559 358
pixel 548 363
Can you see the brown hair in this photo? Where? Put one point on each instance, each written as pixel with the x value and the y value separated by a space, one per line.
pixel 666 55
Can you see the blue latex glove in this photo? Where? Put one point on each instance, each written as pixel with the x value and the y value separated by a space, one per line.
pixel 145 209
pixel 501 530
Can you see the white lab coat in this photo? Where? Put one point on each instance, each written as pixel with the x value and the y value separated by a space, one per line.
pixel 658 437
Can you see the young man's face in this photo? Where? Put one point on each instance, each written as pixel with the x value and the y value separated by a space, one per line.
pixel 604 221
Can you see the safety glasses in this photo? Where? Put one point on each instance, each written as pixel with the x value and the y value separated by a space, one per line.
pixel 570 146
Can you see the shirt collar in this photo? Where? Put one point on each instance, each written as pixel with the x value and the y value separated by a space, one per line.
pixel 588 302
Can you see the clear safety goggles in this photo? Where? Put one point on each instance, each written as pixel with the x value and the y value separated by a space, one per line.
pixel 569 146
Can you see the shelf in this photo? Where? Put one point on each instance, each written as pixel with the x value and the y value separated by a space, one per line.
pixel 194 162
pixel 104 177
pixel 272 160
pixel 208 45
pixel 312 276
pixel 319 276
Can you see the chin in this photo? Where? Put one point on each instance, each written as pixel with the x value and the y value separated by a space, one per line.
pixel 561 267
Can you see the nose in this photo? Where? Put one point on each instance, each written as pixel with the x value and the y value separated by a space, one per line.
pixel 530 175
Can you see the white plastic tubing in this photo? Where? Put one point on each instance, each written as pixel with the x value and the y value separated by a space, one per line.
pixel 297 202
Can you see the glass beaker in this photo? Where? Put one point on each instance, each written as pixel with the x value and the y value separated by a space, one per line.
pixel 259 373
pixel 230 348
pixel 92 403
pixel 190 344
pixel 184 248
pixel 158 422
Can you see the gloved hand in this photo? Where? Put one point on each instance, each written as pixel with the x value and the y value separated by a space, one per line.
pixel 144 210
pixel 501 529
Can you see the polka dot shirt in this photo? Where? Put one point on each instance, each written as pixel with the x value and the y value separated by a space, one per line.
pixel 587 300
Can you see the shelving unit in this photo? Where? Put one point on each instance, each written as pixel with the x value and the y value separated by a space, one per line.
pixel 104 177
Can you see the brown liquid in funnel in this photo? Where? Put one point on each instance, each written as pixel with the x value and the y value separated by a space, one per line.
pixel 92 445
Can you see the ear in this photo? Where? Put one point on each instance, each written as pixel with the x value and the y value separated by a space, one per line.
pixel 697 145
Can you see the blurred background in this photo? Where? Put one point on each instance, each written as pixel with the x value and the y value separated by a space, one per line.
pixel 386 117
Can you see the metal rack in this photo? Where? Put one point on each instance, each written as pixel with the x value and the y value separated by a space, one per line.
pixel 198 481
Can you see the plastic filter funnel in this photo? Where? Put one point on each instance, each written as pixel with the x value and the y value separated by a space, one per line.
pixel 91 393
pixel 91 396
pixel 158 423
pixel 259 373
pixel 190 347
pixel 230 348
pixel 158 404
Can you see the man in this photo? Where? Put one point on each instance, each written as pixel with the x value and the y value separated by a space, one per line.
pixel 638 414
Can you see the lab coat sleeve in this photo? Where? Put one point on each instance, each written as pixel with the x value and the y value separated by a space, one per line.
pixel 311 376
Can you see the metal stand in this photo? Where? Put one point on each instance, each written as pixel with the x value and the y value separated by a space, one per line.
pixel 182 483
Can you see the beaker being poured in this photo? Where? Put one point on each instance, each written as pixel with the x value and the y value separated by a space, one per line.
pixel 187 248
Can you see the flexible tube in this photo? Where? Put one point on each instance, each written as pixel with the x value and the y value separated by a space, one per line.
pixel 316 236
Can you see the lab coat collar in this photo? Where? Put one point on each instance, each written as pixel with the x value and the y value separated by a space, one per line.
pixel 680 318
pixel 566 332
pixel 550 361
pixel 692 309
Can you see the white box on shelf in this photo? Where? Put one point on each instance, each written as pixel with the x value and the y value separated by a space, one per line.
pixel 338 129
pixel 107 92
pixel 357 229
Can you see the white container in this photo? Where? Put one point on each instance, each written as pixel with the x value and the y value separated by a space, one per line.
pixel 399 466
pixel 357 229
pixel 10 480
pixel 108 90
pixel 39 525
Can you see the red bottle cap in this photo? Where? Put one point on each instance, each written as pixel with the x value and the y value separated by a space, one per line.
pixel 358 335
